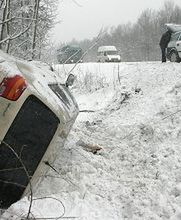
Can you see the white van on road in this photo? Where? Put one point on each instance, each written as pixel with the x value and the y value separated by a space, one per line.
pixel 108 54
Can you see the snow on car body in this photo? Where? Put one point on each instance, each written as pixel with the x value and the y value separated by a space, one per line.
pixel 36 114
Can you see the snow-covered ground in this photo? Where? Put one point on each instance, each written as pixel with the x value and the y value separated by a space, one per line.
pixel 135 118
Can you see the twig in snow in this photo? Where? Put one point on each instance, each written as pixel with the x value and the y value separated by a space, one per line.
pixel 67 180
pixel 119 79
pixel 55 218
pixel 27 174
pixel 86 110
pixel 171 114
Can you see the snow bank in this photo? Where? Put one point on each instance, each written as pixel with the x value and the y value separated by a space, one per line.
pixel 136 121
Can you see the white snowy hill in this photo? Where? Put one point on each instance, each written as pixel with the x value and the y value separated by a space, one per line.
pixel 122 159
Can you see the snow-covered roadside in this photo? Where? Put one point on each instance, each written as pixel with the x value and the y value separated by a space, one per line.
pixel 137 122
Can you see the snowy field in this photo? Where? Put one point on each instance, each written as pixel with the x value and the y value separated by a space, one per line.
pixel 122 159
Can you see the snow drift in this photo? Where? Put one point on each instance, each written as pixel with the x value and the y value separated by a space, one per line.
pixel 135 118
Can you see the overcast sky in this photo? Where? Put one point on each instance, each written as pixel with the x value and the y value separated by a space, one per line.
pixel 82 19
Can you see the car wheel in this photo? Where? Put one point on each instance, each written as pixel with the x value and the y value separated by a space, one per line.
pixel 174 57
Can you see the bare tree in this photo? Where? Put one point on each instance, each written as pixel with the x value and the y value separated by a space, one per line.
pixel 36 17
pixel 24 26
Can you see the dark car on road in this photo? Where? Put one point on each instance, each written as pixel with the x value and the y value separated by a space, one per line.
pixel 69 54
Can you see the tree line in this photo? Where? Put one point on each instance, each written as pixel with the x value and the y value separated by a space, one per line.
pixel 137 41
pixel 24 26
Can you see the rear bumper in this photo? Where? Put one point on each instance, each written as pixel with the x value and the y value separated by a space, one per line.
pixel 113 60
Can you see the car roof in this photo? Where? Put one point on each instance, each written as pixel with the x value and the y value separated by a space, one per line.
pixel 107 48
pixel 178 32
pixel 174 28
pixel 175 33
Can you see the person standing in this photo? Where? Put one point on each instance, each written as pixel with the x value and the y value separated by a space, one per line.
pixel 165 39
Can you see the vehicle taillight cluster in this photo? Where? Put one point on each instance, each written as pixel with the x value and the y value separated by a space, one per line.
pixel 11 88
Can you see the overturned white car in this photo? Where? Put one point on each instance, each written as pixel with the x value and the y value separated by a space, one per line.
pixel 36 114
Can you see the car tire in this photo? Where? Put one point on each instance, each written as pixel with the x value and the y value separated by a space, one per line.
pixel 174 57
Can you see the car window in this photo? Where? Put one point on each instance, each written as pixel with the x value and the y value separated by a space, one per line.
pixel 60 93
pixel 112 52
pixel 175 37
pixel 179 37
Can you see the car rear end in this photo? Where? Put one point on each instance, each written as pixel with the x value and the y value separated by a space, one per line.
pixel 173 50
pixel 36 114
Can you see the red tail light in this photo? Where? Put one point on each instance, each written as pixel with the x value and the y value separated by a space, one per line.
pixel 12 87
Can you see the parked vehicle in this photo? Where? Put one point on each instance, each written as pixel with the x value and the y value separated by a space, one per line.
pixel 108 54
pixel 69 54
pixel 36 113
pixel 174 47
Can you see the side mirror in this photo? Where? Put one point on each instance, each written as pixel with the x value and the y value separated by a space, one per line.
pixel 70 80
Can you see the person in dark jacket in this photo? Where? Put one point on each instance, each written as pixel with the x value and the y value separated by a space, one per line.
pixel 164 43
